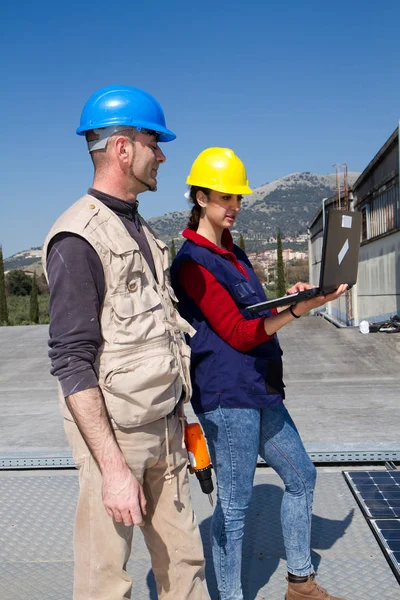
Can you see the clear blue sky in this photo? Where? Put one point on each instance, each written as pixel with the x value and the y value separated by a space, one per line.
pixel 289 85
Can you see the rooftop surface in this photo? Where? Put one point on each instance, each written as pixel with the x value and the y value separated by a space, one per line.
pixel 343 393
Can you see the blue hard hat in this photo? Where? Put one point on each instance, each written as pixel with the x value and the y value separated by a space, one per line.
pixel 124 105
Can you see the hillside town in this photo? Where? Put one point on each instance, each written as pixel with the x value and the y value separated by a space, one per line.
pixel 268 258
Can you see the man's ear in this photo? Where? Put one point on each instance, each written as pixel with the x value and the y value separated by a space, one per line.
pixel 122 148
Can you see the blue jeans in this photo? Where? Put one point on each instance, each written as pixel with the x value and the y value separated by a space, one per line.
pixel 235 437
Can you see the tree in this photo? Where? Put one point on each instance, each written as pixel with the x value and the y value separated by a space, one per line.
pixel 3 299
pixel 173 250
pixel 297 271
pixel 280 287
pixel 42 286
pixel 34 303
pixel 18 283
pixel 242 245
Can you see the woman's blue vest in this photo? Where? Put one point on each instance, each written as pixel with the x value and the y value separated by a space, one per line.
pixel 221 375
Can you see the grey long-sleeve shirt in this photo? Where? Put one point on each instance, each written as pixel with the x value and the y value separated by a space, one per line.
pixel 77 287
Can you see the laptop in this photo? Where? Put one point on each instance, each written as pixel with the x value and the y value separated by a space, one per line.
pixel 339 263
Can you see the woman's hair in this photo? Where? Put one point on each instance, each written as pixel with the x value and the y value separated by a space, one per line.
pixel 196 209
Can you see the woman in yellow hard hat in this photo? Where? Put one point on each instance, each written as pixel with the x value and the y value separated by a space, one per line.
pixel 236 373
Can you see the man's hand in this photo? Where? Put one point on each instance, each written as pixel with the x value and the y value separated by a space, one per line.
pixel 123 496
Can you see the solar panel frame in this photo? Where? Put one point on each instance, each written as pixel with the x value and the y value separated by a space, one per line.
pixel 378 495
pixel 389 540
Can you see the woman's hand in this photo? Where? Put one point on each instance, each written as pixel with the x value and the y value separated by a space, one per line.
pixel 275 322
pixel 299 287
pixel 306 305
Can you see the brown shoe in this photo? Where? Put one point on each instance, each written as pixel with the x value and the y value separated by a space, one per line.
pixel 308 590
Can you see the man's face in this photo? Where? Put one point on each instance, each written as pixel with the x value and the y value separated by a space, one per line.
pixel 146 159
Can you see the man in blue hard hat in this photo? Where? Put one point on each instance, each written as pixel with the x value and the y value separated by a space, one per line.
pixel 117 348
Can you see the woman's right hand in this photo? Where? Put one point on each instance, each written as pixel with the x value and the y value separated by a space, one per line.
pixel 275 322
pixel 306 305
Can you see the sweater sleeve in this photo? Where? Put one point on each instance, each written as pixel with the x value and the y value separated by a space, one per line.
pixel 76 284
pixel 219 308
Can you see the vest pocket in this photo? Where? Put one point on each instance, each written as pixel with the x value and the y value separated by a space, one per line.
pixel 244 293
pixel 137 300
pixel 142 390
pixel 133 314
pixel 255 374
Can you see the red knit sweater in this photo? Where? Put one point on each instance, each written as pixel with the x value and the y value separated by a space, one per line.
pixel 215 302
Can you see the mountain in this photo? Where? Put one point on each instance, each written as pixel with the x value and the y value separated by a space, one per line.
pixel 288 204
pixel 27 260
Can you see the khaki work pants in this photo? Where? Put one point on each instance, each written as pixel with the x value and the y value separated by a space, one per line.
pixel 102 547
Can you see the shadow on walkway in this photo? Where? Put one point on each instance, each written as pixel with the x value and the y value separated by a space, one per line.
pixel 263 542
pixel 263 547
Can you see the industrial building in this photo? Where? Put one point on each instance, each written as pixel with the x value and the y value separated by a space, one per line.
pixel 376 296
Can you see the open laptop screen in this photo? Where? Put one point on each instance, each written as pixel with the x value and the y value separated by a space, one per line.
pixel 340 251
pixel 339 261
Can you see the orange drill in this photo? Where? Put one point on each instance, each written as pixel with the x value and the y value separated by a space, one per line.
pixel 199 457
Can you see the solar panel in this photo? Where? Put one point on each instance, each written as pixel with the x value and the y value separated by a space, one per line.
pixel 388 533
pixel 378 494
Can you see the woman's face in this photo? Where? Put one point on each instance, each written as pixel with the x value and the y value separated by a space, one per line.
pixel 220 209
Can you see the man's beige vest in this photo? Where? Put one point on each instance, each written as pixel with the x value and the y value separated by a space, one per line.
pixel 143 363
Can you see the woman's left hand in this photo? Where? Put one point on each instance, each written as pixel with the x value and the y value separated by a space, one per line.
pixel 299 287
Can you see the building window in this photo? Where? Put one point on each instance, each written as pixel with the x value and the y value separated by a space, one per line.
pixel 380 215
pixel 364 224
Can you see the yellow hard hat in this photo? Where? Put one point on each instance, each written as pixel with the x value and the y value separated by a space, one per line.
pixel 221 170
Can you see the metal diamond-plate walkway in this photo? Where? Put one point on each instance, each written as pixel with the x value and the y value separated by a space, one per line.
pixel 342 391
pixel 36 521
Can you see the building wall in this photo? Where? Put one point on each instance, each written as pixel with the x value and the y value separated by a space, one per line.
pixel 378 288
pixel 376 195
pixel 339 309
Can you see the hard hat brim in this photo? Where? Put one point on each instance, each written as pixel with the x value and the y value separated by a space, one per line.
pixel 165 135
pixel 240 190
